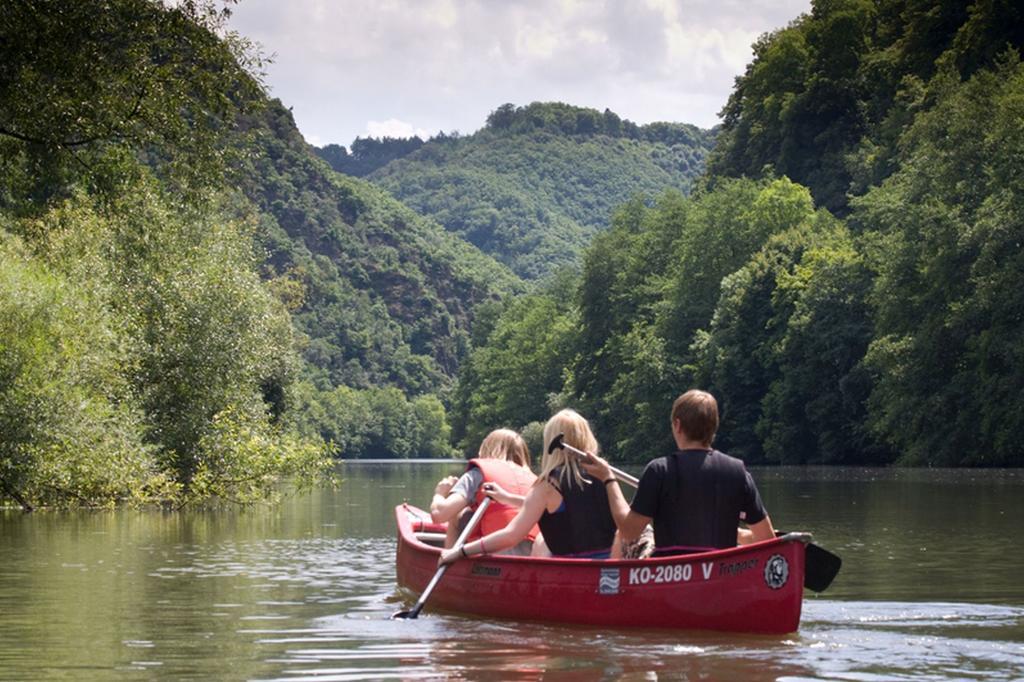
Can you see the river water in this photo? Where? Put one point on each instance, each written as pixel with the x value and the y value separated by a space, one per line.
pixel 931 589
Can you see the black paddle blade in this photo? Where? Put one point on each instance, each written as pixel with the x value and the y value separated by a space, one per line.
pixel 402 615
pixel 412 613
pixel 821 568
pixel 556 443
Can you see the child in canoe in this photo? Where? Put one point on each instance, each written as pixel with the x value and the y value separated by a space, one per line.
pixel 503 460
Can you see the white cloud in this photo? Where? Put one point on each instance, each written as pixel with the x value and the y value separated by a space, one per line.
pixel 393 128
pixel 347 67
pixel 538 42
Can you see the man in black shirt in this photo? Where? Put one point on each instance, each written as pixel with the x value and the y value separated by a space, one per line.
pixel 694 497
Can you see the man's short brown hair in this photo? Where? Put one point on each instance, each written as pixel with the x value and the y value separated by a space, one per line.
pixel 697 414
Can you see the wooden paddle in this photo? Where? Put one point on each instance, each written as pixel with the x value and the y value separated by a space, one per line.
pixel 821 566
pixel 414 612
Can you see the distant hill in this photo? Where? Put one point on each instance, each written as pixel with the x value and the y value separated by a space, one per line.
pixel 384 295
pixel 367 154
pixel 537 182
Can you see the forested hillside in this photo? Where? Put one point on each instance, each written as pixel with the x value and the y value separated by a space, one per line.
pixel 367 154
pixel 828 97
pixel 382 297
pixel 386 294
pixel 537 182
pixel 873 316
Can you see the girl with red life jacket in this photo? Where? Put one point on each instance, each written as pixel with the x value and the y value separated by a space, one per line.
pixel 504 461
pixel 570 507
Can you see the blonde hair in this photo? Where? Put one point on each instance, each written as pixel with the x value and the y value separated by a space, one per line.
pixel 577 433
pixel 505 444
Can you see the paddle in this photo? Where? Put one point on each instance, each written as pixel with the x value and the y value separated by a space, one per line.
pixel 559 443
pixel 414 612
pixel 821 565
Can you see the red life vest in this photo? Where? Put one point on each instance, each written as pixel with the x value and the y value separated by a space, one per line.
pixel 514 479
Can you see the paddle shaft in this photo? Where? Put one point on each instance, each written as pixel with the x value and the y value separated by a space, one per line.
pixel 473 521
pixel 618 473
pixel 821 564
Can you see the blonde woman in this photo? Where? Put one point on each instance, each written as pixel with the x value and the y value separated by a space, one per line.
pixel 570 507
pixel 502 459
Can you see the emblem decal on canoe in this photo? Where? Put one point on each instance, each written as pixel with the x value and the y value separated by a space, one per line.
pixel 776 571
pixel 486 571
pixel 609 583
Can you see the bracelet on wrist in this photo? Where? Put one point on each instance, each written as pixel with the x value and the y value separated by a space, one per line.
pixel 463 548
pixel 611 480
pixel 482 549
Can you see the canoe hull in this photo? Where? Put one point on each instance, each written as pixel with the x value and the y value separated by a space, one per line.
pixel 756 588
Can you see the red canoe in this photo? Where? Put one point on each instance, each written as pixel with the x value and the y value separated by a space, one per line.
pixel 755 588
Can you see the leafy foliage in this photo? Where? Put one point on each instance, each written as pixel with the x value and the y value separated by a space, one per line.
pixel 70 431
pixel 815 411
pixel 651 284
pixel 367 154
pixel 946 236
pixel 674 293
pixel 85 84
pixel 516 372
pixel 784 349
pixel 374 422
pixel 825 98
pixel 133 330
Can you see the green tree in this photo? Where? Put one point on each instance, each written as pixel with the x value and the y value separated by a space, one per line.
pixel 621 373
pixel 946 244
pixel 722 231
pixel 508 381
pixel 815 410
pixel 69 430
pixel 825 99
pixel 86 84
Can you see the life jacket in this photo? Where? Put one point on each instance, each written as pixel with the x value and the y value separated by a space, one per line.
pixel 514 479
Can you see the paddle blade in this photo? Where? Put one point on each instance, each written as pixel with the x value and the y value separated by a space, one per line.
pixel 556 443
pixel 821 568
pixel 401 615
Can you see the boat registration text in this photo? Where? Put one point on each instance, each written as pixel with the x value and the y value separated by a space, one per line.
pixel 684 573
pixel 671 573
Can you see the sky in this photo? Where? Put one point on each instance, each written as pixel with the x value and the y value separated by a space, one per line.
pixel 396 68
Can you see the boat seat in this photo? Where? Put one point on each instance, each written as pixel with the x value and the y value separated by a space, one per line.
pixel 433 539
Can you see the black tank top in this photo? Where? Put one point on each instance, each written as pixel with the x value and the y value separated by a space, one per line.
pixel 583 523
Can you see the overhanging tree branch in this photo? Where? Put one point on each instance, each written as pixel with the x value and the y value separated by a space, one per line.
pixel 15 495
pixel 56 143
